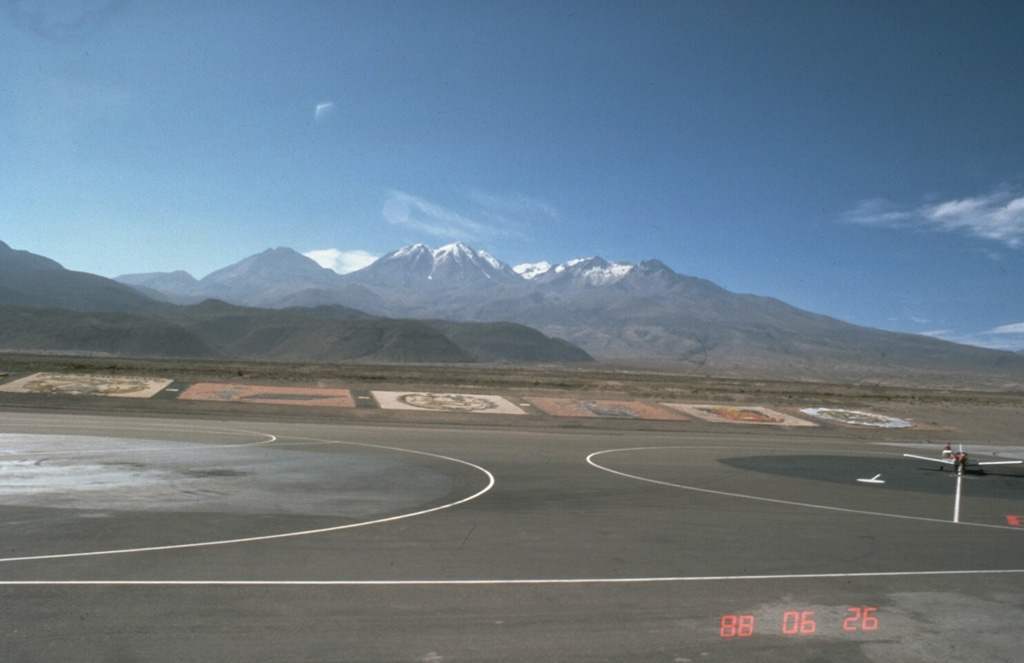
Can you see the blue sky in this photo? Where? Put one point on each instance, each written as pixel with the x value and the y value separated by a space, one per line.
pixel 863 159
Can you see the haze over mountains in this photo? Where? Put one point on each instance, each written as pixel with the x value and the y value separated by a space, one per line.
pixel 46 308
pixel 642 312
pixel 458 304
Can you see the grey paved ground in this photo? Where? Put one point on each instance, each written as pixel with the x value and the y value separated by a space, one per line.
pixel 169 539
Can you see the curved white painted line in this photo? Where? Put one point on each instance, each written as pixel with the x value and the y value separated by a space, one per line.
pixel 709 491
pixel 285 535
pixel 270 439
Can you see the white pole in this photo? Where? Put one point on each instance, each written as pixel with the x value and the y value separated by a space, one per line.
pixel 956 506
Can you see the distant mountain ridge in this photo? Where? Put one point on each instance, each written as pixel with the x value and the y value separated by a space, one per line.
pixel 45 307
pixel 266 276
pixel 27 279
pixel 277 273
pixel 612 310
pixel 12 260
pixel 458 304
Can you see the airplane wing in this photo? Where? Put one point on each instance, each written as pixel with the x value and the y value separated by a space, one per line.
pixel 944 461
pixel 1001 462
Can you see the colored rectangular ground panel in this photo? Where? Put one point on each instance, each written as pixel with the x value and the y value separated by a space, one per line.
pixel 235 393
pixel 575 407
pixel 121 386
pixel 739 414
pixel 416 400
pixel 856 417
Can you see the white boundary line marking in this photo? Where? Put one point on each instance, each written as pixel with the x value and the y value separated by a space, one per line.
pixel 154 427
pixel 284 535
pixel 507 581
pixel 772 500
pixel 491 582
pixel 956 503
pixel 271 439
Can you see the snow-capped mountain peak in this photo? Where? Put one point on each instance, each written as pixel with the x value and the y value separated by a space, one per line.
pixel 532 270
pixel 591 271
pixel 404 253
pixel 463 254
pixel 455 248
pixel 461 262
pixel 456 264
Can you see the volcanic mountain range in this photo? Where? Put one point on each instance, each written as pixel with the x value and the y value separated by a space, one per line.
pixel 281 304
pixel 46 308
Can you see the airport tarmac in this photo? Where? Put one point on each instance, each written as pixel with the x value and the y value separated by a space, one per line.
pixel 176 537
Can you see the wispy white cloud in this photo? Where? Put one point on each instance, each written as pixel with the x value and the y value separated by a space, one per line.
pixel 323 110
pixel 997 216
pixel 516 206
pixel 944 334
pixel 403 209
pixel 1016 328
pixel 340 261
pixel 1005 337
pixel 483 216
pixel 879 212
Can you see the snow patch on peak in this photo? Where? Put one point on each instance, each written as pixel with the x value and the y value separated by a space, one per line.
pixel 413 250
pixel 457 247
pixel 489 259
pixel 452 265
pixel 532 270
pixel 456 251
pixel 606 275
pixel 594 271
pixel 620 269
pixel 460 252
pixel 575 262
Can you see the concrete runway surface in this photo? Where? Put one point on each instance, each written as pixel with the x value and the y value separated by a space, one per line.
pixel 180 539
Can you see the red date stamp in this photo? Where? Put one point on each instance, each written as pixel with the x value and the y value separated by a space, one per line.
pixel 798 622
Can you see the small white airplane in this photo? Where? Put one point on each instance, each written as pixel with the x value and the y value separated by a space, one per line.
pixel 958 459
